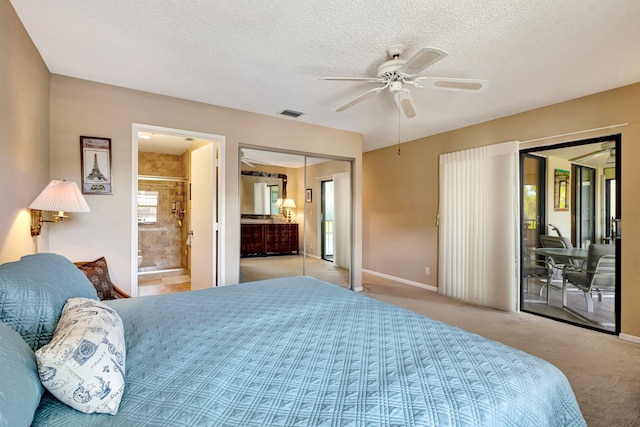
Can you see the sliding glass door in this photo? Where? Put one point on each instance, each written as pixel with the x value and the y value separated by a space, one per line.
pixel 533 173
pixel 584 220
pixel 570 241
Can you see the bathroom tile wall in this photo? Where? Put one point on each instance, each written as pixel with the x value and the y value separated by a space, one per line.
pixel 163 243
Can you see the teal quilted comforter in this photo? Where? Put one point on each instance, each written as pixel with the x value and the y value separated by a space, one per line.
pixel 301 352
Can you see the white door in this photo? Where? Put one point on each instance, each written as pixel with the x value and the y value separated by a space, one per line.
pixel 203 217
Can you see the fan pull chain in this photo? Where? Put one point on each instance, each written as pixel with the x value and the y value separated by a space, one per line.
pixel 398 104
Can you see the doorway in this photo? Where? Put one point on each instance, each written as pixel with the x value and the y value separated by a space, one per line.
pixel 176 182
pixel 570 258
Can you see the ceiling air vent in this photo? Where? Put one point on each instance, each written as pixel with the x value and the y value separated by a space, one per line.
pixel 290 113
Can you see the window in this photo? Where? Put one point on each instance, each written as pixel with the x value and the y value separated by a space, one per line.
pixel 147 207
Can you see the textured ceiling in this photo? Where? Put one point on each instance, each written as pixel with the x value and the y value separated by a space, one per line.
pixel 266 56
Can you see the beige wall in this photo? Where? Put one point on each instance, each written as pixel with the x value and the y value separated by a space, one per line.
pixel 400 193
pixel 24 135
pixel 80 107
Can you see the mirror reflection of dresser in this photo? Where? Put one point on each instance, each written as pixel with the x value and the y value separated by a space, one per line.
pixel 262 239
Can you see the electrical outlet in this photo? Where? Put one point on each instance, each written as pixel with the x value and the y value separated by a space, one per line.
pixel 427 271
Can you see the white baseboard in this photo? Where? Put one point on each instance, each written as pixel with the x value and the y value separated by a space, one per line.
pixel 630 338
pixel 404 281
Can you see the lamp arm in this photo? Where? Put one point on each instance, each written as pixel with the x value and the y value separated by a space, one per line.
pixel 37 220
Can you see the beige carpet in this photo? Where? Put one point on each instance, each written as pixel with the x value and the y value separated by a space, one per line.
pixel 603 370
pixel 271 267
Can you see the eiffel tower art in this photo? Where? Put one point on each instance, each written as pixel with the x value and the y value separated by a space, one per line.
pixel 95 174
pixel 94 179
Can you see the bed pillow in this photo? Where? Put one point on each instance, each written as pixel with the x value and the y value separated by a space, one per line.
pixel 83 365
pixel 98 274
pixel 20 388
pixel 33 292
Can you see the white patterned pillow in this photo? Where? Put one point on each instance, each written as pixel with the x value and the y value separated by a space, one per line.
pixel 83 365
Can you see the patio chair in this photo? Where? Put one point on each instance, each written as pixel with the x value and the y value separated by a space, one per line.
pixel 557 263
pixel 534 269
pixel 597 275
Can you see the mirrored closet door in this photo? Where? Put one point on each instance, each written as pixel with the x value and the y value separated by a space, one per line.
pixel 295 216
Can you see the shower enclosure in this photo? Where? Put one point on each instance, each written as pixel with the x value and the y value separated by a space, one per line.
pixel 162 226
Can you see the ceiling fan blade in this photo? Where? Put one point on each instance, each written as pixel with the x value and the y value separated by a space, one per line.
pixel 355 79
pixel 260 162
pixel 406 104
pixel 425 57
pixel 359 98
pixel 589 156
pixel 449 83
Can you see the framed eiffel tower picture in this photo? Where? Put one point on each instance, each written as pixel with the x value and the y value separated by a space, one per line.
pixel 95 155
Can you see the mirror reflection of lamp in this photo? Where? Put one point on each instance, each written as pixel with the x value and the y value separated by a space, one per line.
pixel 59 196
pixel 286 205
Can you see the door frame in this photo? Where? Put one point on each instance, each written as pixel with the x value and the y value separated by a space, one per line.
pixel 220 141
pixel 542 212
pixel 617 138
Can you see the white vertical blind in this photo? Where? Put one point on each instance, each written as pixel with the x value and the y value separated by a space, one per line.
pixel 478 234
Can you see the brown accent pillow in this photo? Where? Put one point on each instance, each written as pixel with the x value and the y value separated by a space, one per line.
pixel 98 274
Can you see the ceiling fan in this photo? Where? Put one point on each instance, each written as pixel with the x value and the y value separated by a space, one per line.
pixel 396 74
pixel 608 148
pixel 251 162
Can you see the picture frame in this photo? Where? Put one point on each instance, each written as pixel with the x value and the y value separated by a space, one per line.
pixel 308 195
pixel 561 190
pixel 95 160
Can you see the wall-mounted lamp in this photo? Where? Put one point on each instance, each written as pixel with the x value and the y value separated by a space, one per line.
pixel 61 196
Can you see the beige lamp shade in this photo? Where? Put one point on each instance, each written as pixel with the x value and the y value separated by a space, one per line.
pixel 62 196
pixel 288 203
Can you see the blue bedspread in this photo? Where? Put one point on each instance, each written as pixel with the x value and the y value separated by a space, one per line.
pixel 301 352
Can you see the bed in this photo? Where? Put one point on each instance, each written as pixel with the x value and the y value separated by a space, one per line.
pixel 300 352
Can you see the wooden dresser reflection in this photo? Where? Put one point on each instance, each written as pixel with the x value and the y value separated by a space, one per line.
pixel 268 239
